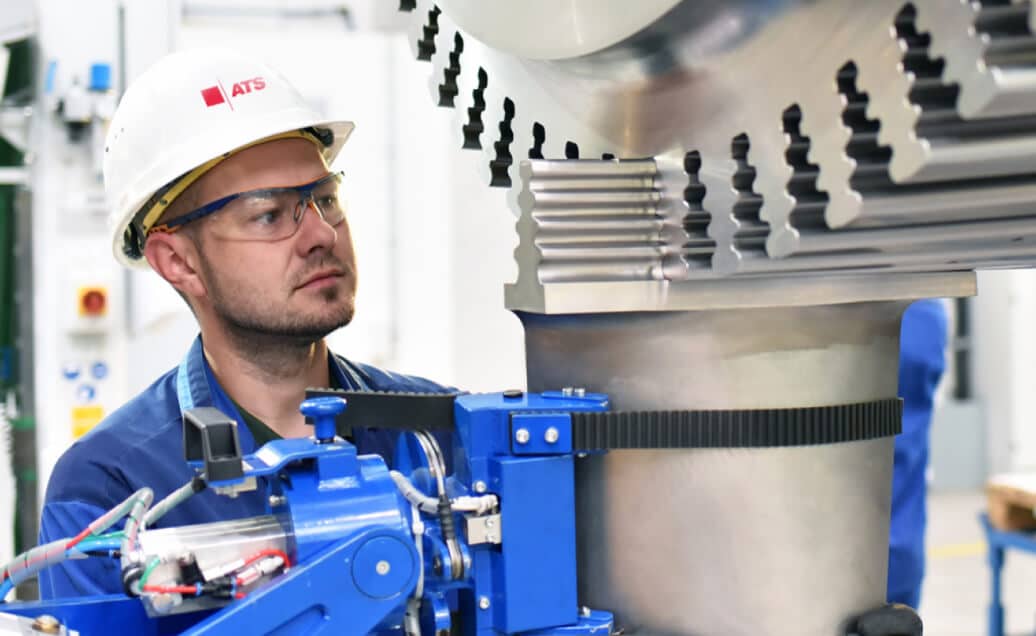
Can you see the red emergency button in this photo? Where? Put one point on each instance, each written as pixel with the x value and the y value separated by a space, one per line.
pixel 93 301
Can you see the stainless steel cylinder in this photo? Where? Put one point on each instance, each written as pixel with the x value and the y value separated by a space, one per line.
pixel 775 541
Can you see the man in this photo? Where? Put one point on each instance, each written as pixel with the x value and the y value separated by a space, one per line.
pixel 218 171
pixel 922 352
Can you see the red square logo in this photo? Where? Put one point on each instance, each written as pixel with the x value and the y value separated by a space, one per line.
pixel 212 95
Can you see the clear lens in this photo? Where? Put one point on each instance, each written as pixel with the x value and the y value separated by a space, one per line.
pixel 276 213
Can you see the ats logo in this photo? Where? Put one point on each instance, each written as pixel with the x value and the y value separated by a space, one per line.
pixel 216 95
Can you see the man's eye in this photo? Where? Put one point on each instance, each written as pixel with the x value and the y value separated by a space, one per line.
pixel 328 200
pixel 266 218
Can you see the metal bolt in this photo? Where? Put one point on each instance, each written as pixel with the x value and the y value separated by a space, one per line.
pixel 276 501
pixel 489 522
pixel 46 624
pixel 382 567
pixel 483 602
pixel 522 436
pixel 580 392
pixel 551 435
pixel 490 537
pixel 567 391
pixel 480 486
pixel 584 611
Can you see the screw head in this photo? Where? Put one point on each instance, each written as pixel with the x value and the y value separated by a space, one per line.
pixel 584 611
pixel 483 602
pixel 480 486
pixel 489 522
pixel 522 436
pixel 567 391
pixel 551 435
pixel 276 501
pixel 579 392
pixel 382 567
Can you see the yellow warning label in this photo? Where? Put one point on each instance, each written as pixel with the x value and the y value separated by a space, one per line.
pixel 84 418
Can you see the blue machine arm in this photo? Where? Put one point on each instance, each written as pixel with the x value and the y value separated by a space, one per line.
pixel 409 551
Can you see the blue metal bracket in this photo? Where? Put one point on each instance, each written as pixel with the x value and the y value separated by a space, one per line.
pixel 541 433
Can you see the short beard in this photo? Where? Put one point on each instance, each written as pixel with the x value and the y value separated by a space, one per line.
pixel 274 343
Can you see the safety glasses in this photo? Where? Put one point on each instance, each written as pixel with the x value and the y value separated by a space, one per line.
pixel 268 214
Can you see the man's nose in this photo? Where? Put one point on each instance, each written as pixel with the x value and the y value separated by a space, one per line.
pixel 313 227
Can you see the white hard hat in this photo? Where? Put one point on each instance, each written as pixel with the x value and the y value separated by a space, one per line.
pixel 184 115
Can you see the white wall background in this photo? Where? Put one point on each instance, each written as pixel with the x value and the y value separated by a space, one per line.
pixel 70 246
pixel 1004 340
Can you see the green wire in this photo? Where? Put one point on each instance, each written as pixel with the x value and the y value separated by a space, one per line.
pixel 147 572
pixel 103 537
pixel 87 544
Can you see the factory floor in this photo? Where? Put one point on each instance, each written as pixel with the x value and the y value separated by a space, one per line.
pixel 955 596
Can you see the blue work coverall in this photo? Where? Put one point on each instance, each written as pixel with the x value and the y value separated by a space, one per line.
pixel 922 359
pixel 141 444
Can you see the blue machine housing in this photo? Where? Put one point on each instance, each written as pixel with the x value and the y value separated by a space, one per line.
pixel 353 536
pixel 531 579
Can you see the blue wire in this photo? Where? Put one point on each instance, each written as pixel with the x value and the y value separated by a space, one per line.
pixel 87 545
pixel 91 545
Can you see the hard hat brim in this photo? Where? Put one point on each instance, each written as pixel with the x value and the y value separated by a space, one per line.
pixel 340 131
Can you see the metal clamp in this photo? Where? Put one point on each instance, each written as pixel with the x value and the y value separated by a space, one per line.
pixel 484 529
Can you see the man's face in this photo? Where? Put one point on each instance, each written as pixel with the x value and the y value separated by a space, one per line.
pixel 300 288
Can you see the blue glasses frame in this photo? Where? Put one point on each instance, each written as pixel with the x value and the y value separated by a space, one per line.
pixel 305 191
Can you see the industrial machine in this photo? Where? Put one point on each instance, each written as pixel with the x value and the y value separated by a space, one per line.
pixel 351 547
pixel 728 205
pixel 723 209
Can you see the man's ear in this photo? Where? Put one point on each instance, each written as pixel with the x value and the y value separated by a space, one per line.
pixel 175 258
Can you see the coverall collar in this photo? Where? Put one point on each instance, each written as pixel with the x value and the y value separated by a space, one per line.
pixel 196 386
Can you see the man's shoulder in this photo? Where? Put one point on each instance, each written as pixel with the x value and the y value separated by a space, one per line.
pixel 150 412
pixel 384 380
pixel 143 422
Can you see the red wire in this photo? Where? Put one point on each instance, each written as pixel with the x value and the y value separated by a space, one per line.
pixel 83 534
pixel 79 537
pixel 31 562
pixel 171 589
pixel 86 532
pixel 260 554
pixel 268 552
